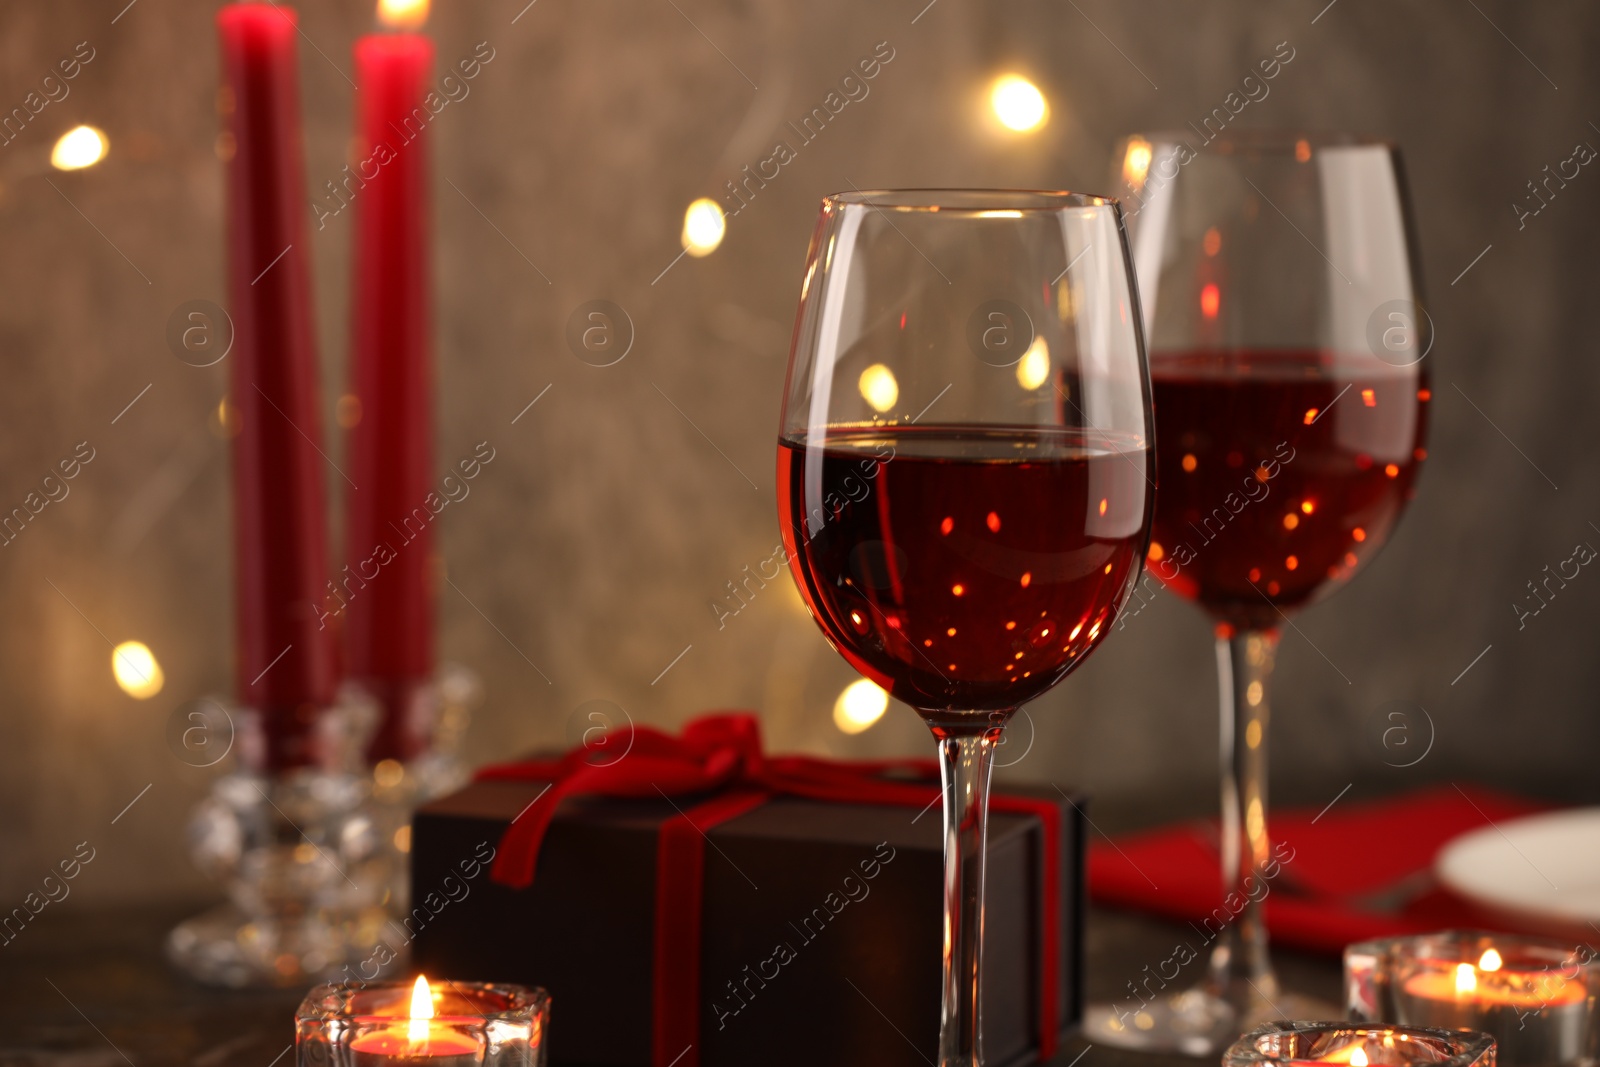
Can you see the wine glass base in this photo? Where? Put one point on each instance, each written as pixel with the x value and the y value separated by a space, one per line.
pixel 1195 1022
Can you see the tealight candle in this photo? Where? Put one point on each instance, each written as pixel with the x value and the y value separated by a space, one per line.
pixel 454 1024
pixel 1301 1044
pixel 1532 995
pixel 421 1037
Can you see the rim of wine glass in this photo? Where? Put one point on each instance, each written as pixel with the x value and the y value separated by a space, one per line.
pixel 933 200
pixel 1266 141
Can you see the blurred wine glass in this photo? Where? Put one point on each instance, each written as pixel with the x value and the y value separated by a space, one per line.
pixel 1287 342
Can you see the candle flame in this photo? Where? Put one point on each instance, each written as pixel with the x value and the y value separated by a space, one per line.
pixel 1466 978
pixel 1358 1058
pixel 402 14
pixel 1490 961
pixel 1136 164
pixel 421 1012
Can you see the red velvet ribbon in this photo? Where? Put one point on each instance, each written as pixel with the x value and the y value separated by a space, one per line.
pixel 721 755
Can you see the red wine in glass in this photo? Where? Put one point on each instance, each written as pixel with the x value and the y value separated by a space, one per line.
pixel 964 569
pixel 1280 472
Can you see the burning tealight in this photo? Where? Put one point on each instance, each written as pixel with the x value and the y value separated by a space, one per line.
pixel 1531 994
pixel 457 1024
pixel 1301 1044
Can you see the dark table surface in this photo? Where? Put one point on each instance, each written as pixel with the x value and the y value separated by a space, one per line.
pixel 93 990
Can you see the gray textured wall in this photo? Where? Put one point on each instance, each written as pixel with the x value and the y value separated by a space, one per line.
pixel 597 539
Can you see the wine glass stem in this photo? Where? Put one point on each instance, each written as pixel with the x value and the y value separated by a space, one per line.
pixel 1241 969
pixel 965 757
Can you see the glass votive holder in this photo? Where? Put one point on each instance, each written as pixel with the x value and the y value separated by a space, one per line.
pixel 415 1024
pixel 1348 1043
pixel 1535 996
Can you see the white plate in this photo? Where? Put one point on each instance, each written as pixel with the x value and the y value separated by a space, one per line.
pixel 1542 869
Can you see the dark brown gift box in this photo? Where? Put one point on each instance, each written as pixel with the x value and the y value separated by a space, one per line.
pixel 860 982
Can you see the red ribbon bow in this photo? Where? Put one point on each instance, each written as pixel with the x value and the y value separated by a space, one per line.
pixel 721 756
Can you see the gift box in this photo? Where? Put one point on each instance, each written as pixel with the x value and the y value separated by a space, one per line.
pixel 774 918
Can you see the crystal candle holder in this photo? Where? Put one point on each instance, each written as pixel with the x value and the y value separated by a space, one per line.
pixel 1535 996
pixel 450 1024
pixel 1359 1046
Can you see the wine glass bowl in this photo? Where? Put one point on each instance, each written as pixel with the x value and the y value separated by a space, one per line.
pixel 977 567
pixel 965 475
pixel 1285 473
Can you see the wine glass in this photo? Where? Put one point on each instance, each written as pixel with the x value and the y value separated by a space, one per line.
pixel 965 476
pixel 1281 298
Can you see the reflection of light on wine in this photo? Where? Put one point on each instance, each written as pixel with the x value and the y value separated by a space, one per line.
pixel 1358 1058
pixel 1466 978
pixel 1490 960
pixel 402 14
pixel 1136 163
pixel 860 705
pixel 1210 300
pixel 1018 103
pixel 1034 366
pixel 704 226
pixel 135 668
pixel 79 147
pixel 879 388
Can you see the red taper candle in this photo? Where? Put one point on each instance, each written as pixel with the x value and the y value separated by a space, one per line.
pixel 286 656
pixel 388 581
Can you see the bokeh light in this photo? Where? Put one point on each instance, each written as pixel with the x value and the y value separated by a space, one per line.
pixel 704 226
pixel 860 705
pixel 1033 369
pixel 135 668
pixel 1018 103
pixel 79 147
pixel 879 388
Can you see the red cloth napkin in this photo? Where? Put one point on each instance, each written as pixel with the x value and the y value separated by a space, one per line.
pixel 1358 870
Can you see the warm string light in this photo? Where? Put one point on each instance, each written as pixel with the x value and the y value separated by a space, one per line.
pixel 134 667
pixel 704 227
pixel 860 705
pixel 879 388
pixel 1018 104
pixel 79 147
pixel 1033 369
